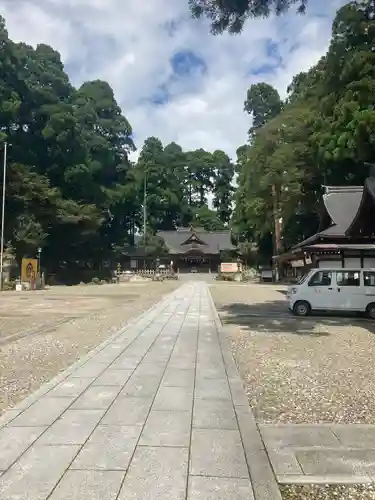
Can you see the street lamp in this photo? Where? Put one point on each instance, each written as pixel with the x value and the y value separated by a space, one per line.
pixel 3 217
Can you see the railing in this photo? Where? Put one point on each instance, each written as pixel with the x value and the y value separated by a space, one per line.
pixel 151 273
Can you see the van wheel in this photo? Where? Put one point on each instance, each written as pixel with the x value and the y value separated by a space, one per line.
pixel 370 310
pixel 302 308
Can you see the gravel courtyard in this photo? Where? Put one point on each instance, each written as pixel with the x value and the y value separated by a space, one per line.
pixel 314 370
pixel 43 332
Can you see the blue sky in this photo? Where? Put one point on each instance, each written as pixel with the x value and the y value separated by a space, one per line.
pixel 171 77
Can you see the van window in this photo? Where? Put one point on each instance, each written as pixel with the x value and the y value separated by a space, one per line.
pixel 348 278
pixel 321 278
pixel 369 278
pixel 302 279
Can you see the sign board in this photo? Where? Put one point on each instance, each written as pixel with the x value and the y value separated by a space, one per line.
pixel 297 263
pixel 29 270
pixel 229 267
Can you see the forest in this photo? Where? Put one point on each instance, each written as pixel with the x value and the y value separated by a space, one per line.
pixel 323 133
pixel 73 191
pixel 71 188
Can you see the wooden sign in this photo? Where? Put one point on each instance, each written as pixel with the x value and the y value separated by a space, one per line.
pixel 229 267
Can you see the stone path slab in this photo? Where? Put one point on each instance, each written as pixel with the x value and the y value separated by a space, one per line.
pixel 321 454
pixel 157 411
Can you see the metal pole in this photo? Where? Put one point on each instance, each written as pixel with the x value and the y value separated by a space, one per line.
pixel 40 266
pixel 3 218
pixel 144 216
pixel 275 230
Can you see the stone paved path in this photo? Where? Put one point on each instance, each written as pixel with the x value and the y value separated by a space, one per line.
pixel 156 412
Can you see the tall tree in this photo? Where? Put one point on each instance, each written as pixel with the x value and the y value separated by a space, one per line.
pixel 199 175
pixel 68 169
pixel 323 134
pixel 263 103
pixel 207 219
pixel 164 169
pixel 180 214
pixel 222 185
pixel 230 15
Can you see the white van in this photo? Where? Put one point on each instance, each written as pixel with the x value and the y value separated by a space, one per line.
pixel 334 290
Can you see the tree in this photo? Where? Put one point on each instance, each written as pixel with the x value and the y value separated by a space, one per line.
pixel 263 103
pixel 199 176
pixel 153 246
pixel 207 219
pixel 68 168
pixel 230 15
pixel 222 186
pixel 255 203
pixel 176 162
pixel 323 134
pixel 348 103
pixel 166 179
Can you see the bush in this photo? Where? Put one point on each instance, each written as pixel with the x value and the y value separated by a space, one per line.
pixel 225 277
pixel 52 280
pixel 96 281
pixel 9 285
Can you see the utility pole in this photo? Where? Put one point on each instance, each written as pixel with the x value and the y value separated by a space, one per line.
pixel 3 217
pixel 276 216
pixel 144 215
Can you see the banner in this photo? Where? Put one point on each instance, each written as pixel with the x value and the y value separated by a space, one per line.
pixel 29 270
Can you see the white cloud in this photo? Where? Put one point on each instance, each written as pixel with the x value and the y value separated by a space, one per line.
pixel 130 45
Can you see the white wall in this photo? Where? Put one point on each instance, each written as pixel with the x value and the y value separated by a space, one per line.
pixel 350 262
pixel 353 262
pixel 369 262
pixel 326 264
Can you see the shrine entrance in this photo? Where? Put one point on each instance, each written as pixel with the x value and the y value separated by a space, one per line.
pixel 194 263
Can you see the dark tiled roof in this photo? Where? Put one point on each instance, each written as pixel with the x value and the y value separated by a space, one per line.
pixel 214 241
pixel 341 204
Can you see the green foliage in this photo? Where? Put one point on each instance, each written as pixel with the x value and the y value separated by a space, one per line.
pixel 322 134
pixel 230 15
pixel 71 188
pixel 178 184
pixel 223 189
pixel 68 165
pixel 207 219
pixel 225 277
pixel 152 246
pixel 263 103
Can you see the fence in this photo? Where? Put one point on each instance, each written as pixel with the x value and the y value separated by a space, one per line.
pixel 151 273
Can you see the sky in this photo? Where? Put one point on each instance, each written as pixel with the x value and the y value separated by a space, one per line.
pixel 171 77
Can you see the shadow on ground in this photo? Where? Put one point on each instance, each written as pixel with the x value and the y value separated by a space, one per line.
pixel 274 317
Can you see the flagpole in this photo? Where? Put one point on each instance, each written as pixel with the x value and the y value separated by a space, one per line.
pixel 145 216
pixel 3 217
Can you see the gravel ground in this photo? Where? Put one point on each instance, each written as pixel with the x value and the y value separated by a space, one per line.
pixel 318 370
pixel 308 492
pixel 26 363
